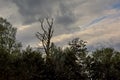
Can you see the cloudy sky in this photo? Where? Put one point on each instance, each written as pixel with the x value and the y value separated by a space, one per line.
pixel 95 21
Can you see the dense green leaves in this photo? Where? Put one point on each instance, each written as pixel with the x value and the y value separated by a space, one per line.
pixel 103 64
pixel 8 37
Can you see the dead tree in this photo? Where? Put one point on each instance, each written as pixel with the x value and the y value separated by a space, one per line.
pixel 45 37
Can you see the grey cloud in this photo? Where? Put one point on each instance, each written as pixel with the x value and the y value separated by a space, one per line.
pixel 65 20
pixel 61 10
pixel 67 17
pixel 31 9
pixel 117 46
pixel 102 44
pixel 65 12
pixel 9 11
pixel 27 35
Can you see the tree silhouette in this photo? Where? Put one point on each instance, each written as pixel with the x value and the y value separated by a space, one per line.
pixel 8 36
pixel 71 63
pixel 102 64
pixel 47 34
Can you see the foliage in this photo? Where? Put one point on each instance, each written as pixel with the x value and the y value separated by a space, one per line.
pixel 103 64
pixel 72 63
pixel 8 37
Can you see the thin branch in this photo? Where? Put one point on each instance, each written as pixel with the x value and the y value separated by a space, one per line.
pixel 45 38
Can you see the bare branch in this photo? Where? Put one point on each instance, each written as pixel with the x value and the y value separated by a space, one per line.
pixel 45 38
pixel 42 24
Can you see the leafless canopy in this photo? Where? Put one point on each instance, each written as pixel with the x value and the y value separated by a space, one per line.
pixel 47 34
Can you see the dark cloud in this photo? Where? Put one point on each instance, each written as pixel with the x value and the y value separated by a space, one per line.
pixel 61 10
pixel 66 19
pixel 33 9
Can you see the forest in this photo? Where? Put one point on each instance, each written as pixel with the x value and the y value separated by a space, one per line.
pixel 50 62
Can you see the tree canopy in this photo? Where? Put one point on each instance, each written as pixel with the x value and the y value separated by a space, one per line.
pixel 72 63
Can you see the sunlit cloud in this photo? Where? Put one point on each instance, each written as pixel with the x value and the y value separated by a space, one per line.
pixel 23 28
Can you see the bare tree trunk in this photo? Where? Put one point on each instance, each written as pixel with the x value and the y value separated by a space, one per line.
pixel 47 34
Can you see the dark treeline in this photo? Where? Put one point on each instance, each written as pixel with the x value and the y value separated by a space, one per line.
pixel 54 63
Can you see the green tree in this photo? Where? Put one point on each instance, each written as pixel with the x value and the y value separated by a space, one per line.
pixel 32 66
pixel 8 37
pixel 80 50
pixel 8 45
pixel 102 65
pixel 68 63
